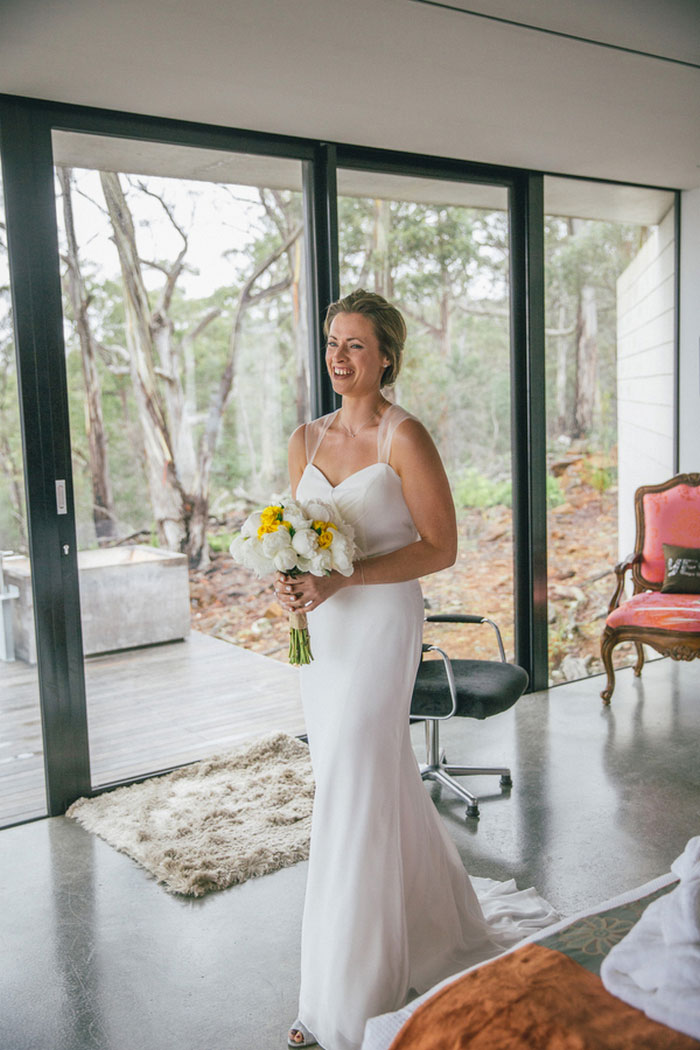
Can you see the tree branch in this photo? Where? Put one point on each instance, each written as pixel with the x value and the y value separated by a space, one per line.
pixel 172 274
pixel 477 311
pixel 219 400
pixel 203 322
pixel 421 320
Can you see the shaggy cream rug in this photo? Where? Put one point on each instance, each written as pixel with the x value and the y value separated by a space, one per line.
pixel 209 825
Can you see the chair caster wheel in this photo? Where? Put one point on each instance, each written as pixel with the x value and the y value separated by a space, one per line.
pixel 506 781
pixel 472 811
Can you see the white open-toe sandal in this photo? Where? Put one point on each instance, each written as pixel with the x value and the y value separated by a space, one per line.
pixel 307 1038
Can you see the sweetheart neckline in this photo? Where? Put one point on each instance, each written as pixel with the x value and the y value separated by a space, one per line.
pixel 354 473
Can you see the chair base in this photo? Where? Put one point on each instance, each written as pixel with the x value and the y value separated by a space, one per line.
pixel 444 774
pixel 436 768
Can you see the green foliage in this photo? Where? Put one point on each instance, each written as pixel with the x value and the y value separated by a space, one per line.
pixel 473 489
pixel 600 477
pixel 555 495
pixel 220 541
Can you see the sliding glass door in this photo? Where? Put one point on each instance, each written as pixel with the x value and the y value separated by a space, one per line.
pixel 610 363
pixel 185 325
pixel 22 791
pixel 440 249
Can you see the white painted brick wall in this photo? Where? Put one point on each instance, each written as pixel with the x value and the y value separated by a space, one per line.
pixel 645 373
pixel 689 350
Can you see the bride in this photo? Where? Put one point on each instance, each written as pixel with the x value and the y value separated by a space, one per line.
pixel 389 908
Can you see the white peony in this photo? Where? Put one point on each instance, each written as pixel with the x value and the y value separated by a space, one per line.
pixel 342 552
pixel 296 517
pixel 274 542
pixel 237 547
pixel 321 563
pixel 248 552
pixel 305 542
pixel 251 525
pixel 319 510
pixel 285 559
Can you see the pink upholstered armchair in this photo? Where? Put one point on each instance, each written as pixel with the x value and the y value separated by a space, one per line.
pixel 663 611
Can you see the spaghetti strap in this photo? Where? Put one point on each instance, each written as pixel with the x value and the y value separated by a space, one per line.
pixel 392 418
pixel 314 433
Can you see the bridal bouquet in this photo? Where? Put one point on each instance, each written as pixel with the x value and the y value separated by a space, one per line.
pixel 293 537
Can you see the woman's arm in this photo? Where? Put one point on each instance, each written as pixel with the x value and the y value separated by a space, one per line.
pixel 426 491
pixel 427 494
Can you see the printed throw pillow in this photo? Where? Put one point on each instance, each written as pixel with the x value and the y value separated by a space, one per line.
pixel 682 570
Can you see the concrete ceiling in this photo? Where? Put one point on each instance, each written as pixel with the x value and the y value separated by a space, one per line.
pixel 562 196
pixel 605 89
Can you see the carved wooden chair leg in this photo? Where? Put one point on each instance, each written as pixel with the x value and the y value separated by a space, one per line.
pixel 607 645
pixel 640 659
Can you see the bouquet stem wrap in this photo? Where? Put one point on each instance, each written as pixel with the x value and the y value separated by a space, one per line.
pixel 299 642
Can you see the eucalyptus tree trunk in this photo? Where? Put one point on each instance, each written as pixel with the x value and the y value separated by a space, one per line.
pixel 103 511
pixel 562 359
pixel 301 344
pixel 380 249
pixel 586 362
pixel 144 333
pixel 163 373
pixel 271 418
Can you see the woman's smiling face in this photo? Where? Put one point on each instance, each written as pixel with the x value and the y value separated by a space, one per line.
pixel 354 360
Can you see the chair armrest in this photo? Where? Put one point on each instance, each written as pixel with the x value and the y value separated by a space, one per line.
pixel 620 569
pixel 450 676
pixel 454 618
pixel 466 618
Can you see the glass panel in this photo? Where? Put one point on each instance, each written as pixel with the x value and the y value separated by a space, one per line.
pixel 440 251
pixel 22 788
pixel 610 364
pixel 187 365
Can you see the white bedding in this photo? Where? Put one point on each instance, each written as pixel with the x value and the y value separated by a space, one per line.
pixel 656 967
pixel 381 1031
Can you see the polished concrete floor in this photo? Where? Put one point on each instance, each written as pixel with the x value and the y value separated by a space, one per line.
pixel 95 956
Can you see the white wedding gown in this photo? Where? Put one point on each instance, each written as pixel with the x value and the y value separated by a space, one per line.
pixel 389 907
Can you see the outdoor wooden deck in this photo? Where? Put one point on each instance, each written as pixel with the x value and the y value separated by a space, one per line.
pixel 148 709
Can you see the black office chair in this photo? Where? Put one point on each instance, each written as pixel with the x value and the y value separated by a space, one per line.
pixel 465 689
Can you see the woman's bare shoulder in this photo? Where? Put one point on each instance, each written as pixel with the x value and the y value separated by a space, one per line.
pixel 411 435
pixel 298 437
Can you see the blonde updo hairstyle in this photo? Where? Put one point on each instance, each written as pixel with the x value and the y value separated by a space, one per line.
pixel 389 326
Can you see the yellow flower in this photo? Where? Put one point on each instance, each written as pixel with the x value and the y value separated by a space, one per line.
pixel 321 526
pixel 270 521
pixel 270 516
pixel 325 536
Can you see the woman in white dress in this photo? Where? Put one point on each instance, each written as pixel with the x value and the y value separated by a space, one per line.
pixel 389 907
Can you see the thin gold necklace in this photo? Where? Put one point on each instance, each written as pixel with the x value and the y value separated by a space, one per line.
pixel 366 423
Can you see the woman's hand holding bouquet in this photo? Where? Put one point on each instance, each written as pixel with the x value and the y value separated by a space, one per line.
pixel 294 538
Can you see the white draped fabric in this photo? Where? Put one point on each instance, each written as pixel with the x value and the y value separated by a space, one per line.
pixel 656 967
